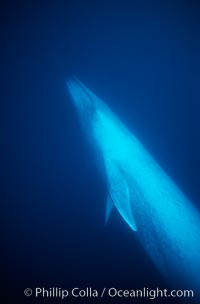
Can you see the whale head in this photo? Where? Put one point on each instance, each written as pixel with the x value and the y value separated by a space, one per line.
pixel 83 99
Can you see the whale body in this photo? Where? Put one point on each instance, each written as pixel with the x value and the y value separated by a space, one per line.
pixel 165 222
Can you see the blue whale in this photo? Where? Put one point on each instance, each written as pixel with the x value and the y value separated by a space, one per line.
pixel 166 223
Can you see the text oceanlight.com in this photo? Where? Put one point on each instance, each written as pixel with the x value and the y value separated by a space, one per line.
pixel 112 292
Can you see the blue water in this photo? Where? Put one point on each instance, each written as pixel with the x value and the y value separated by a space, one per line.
pixel 142 59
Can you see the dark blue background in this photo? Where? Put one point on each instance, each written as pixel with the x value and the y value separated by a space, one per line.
pixel 142 58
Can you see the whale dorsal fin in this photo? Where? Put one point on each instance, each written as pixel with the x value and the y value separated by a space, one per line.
pixel 120 195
